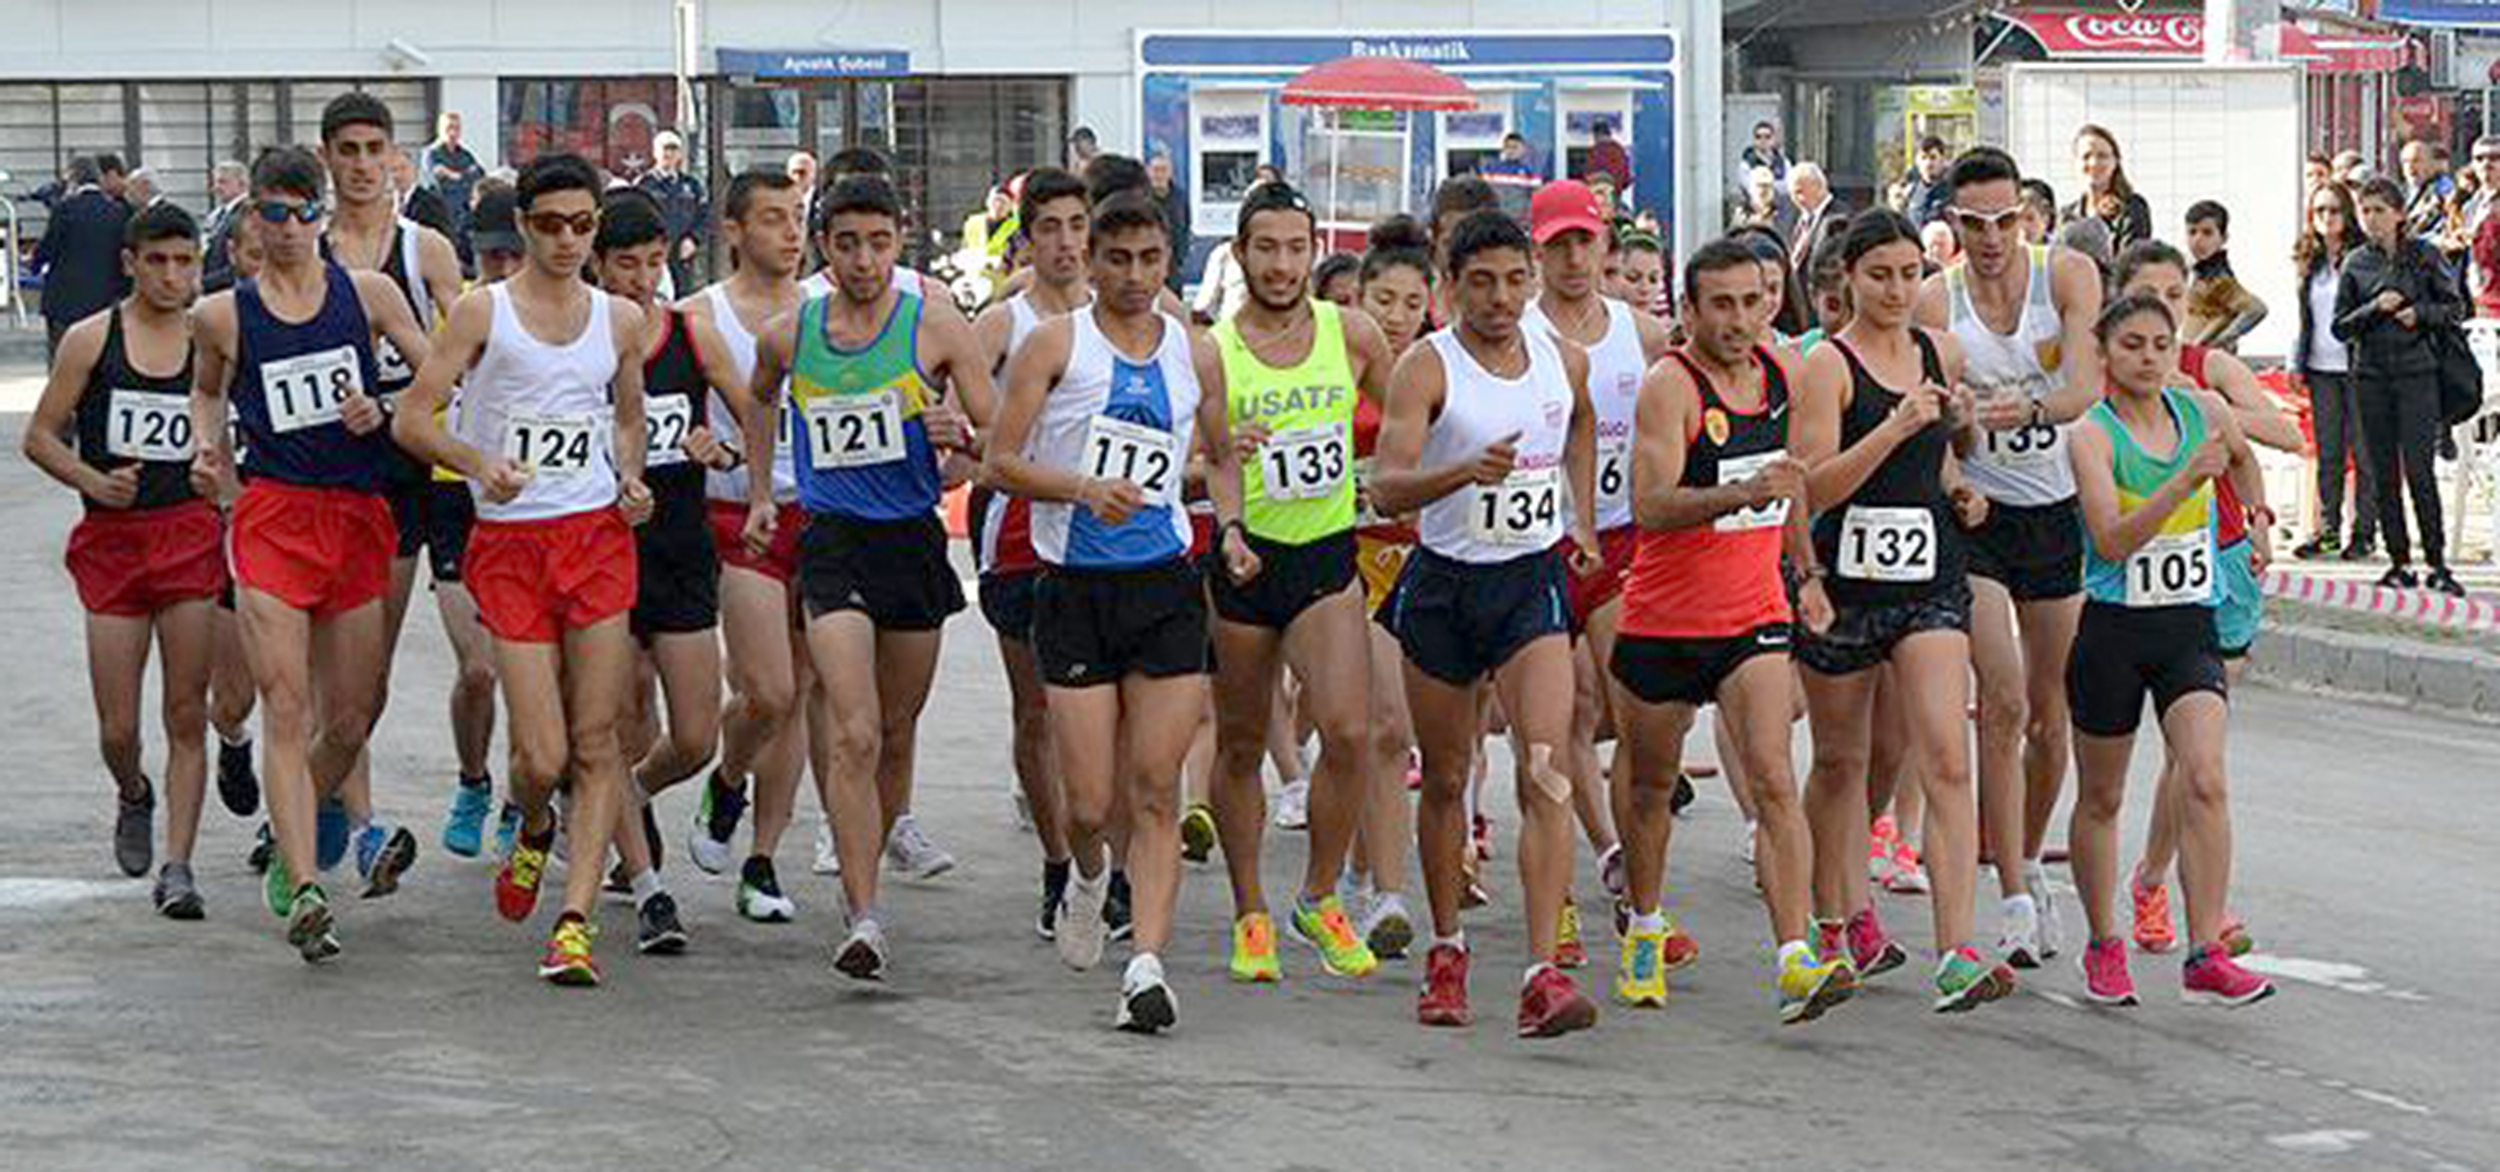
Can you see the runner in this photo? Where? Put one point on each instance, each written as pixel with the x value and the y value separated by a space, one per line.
pixel 1099 418
pixel 864 367
pixel 1490 434
pixel 367 234
pixel 1573 235
pixel 677 599
pixel 2148 629
pixel 231 696
pixel 553 553
pixel 148 551
pixel 1051 212
pixel 1896 576
pixel 1707 620
pixel 1294 366
pixel 767 659
pixel 312 537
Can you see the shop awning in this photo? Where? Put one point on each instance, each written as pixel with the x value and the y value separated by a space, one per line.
pixel 2484 14
pixel 2106 35
pixel 1378 83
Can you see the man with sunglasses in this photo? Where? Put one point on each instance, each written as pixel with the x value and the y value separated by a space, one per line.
pixel 366 233
pixel 312 536
pixel 551 443
pixel 2024 316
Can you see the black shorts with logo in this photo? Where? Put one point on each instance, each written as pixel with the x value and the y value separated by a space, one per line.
pixel 2035 551
pixel 434 516
pixel 1007 602
pixel 1291 579
pixel 2123 654
pixel 678 591
pixel 1690 670
pixel 1093 627
pixel 1862 636
pixel 1458 620
pixel 895 572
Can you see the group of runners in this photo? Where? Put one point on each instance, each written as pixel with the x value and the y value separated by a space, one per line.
pixel 1482 500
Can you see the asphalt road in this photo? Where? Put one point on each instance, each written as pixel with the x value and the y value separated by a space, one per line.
pixel 126 1041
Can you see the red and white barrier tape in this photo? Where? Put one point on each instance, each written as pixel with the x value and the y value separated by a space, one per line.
pixel 2419 606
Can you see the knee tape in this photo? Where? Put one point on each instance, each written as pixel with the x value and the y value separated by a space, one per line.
pixel 1555 783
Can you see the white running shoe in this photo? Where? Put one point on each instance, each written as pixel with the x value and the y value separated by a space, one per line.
pixel 1386 927
pixel 2052 926
pixel 909 852
pixel 861 956
pixel 828 861
pixel 1146 1005
pixel 2019 942
pixel 1753 836
pixel 1293 806
pixel 1081 928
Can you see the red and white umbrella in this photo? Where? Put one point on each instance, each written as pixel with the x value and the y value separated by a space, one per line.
pixel 1374 83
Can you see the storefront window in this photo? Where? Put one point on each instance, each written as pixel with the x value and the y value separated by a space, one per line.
pixel 1357 165
pixel 763 127
pixel 955 138
pixel 608 121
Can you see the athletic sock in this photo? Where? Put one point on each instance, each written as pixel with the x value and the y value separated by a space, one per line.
pixel 1650 922
pixel 1534 969
pixel 2023 901
pixel 1457 940
pixel 1795 950
pixel 481 781
pixel 647 885
pixel 1056 871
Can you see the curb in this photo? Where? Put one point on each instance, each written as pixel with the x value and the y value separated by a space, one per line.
pixel 2449 681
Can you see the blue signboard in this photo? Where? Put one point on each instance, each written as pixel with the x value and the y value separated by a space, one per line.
pixel 2446 13
pixel 1182 50
pixel 815 62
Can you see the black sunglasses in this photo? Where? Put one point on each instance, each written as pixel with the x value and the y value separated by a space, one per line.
pixel 278 211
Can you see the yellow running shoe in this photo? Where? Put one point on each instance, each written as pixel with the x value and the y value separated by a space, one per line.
pixel 567 961
pixel 1198 833
pixel 1809 986
pixel 1254 950
pixel 1326 929
pixel 1569 951
pixel 1641 978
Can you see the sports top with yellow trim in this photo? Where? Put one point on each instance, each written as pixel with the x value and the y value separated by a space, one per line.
pixel 862 449
pixel 2176 567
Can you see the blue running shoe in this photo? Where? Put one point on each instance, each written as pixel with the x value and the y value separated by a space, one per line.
pixel 464 829
pixel 330 834
pixel 507 828
pixel 383 854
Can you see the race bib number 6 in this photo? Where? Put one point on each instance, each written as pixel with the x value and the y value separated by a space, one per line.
pixel 1614 468
pixel 1147 457
pixel 149 425
pixel 550 447
pixel 854 431
pixel 2173 569
pixel 306 390
pixel 1524 510
pixel 1887 544
pixel 1306 463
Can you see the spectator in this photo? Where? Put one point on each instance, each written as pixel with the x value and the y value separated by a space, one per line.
pixel 140 190
pixel 1082 148
pixel 421 203
pixel 2315 170
pixel 1816 206
pixel 1642 280
pixel 2220 310
pixel 1766 205
pixel 2483 227
pixel 1785 306
pixel 1607 157
pixel 2108 196
pixel 1512 169
pixel 113 177
pixel 2090 236
pixel 684 208
pixel 1927 197
pixel 1940 245
pixel 452 172
pixel 1765 151
pixel 495 231
pixel 79 169
pixel 801 168
pixel 1338 277
pixel 2393 291
pixel 2350 168
pixel 2426 187
pixel 228 184
pixel 80 255
pixel 2324 364
pixel 1175 214
pixel 2039 210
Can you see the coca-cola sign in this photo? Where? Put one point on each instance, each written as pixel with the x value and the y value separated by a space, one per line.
pixel 2116 34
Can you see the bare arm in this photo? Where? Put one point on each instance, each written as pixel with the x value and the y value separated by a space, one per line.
pixel 1036 367
pixel 2117 535
pixel 1580 450
pixel 1654 339
pixel 387 308
pixel 438 264
pixel 1372 360
pixel 418 425
pixel 1833 473
pixel 967 366
pixel 773 350
pixel 991 331
pixel 626 388
pixel 2255 410
pixel 1214 438
pixel 711 353
pixel 212 365
pixel 2075 284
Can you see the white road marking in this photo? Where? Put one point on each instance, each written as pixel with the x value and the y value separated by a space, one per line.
pixel 2330 1142
pixel 2343 978
pixel 27 891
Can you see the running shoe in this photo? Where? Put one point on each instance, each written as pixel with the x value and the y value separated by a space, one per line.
pixel 1116 913
pixel 1683 794
pixel 1475 894
pixel 1871 949
pixel 567 960
pixel 237 784
pixel 2044 898
pixel 2362 549
pixel 1640 977
pixel 134 831
pixel 516 885
pixel 2235 937
pixel 2105 977
pixel 1387 927
pixel 1146 1004
pixel 383 854
pixel 1750 843
pixel 2398 578
pixel 330 828
pixel 1880 842
pixel 1551 1005
pixel 2213 978
pixel 1293 806
pixel 507 828
pixel 2153 932
pixel 759 893
pixel 1443 1000
pixel 308 925
pixel 1082 929
pixel 658 931
pixel 264 846
pixel 1054 886
pixel 861 956
pixel 2444 582
pixel 1810 986
pixel 1198 833
pixel 1905 875
pixel 1569 952
pixel 1678 950
pixel 1965 981
pixel 1482 838
pixel 464 827
pixel 2019 940
pixel 909 852
pixel 1325 927
pixel 1254 950
pixel 277 886
pixel 715 823
pixel 177 897
pixel 652 839
pixel 828 860
pixel 2319 547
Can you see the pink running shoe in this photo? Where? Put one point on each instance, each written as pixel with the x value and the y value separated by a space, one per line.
pixel 2105 977
pixel 1871 949
pixel 1880 844
pixel 2213 978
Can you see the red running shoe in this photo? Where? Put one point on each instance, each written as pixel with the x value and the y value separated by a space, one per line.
pixel 1551 1005
pixel 1871 949
pixel 1443 1001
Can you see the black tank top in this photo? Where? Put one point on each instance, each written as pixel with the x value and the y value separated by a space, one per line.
pixel 1872 558
pixel 125 417
pixel 1745 435
pixel 674 396
pixel 393 374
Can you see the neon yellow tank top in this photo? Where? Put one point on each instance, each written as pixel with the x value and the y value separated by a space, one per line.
pixel 1299 487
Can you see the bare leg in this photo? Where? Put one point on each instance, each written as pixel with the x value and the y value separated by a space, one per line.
pixel 184 636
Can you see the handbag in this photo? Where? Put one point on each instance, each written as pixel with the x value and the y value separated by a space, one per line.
pixel 2460 377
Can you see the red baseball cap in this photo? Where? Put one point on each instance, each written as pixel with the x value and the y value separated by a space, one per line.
pixel 1564 205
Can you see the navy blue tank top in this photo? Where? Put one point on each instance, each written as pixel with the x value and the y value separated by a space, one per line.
pixel 289 380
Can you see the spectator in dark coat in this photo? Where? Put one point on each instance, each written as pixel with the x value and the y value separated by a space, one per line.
pixel 228 186
pixel 685 211
pixel 80 258
pixel 1175 215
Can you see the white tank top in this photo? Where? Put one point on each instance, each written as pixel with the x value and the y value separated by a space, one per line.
pixel 1528 512
pixel 2023 465
pixel 820 283
pixel 732 485
pixel 1022 320
pixel 1616 366
pixel 548 408
pixel 1109 417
